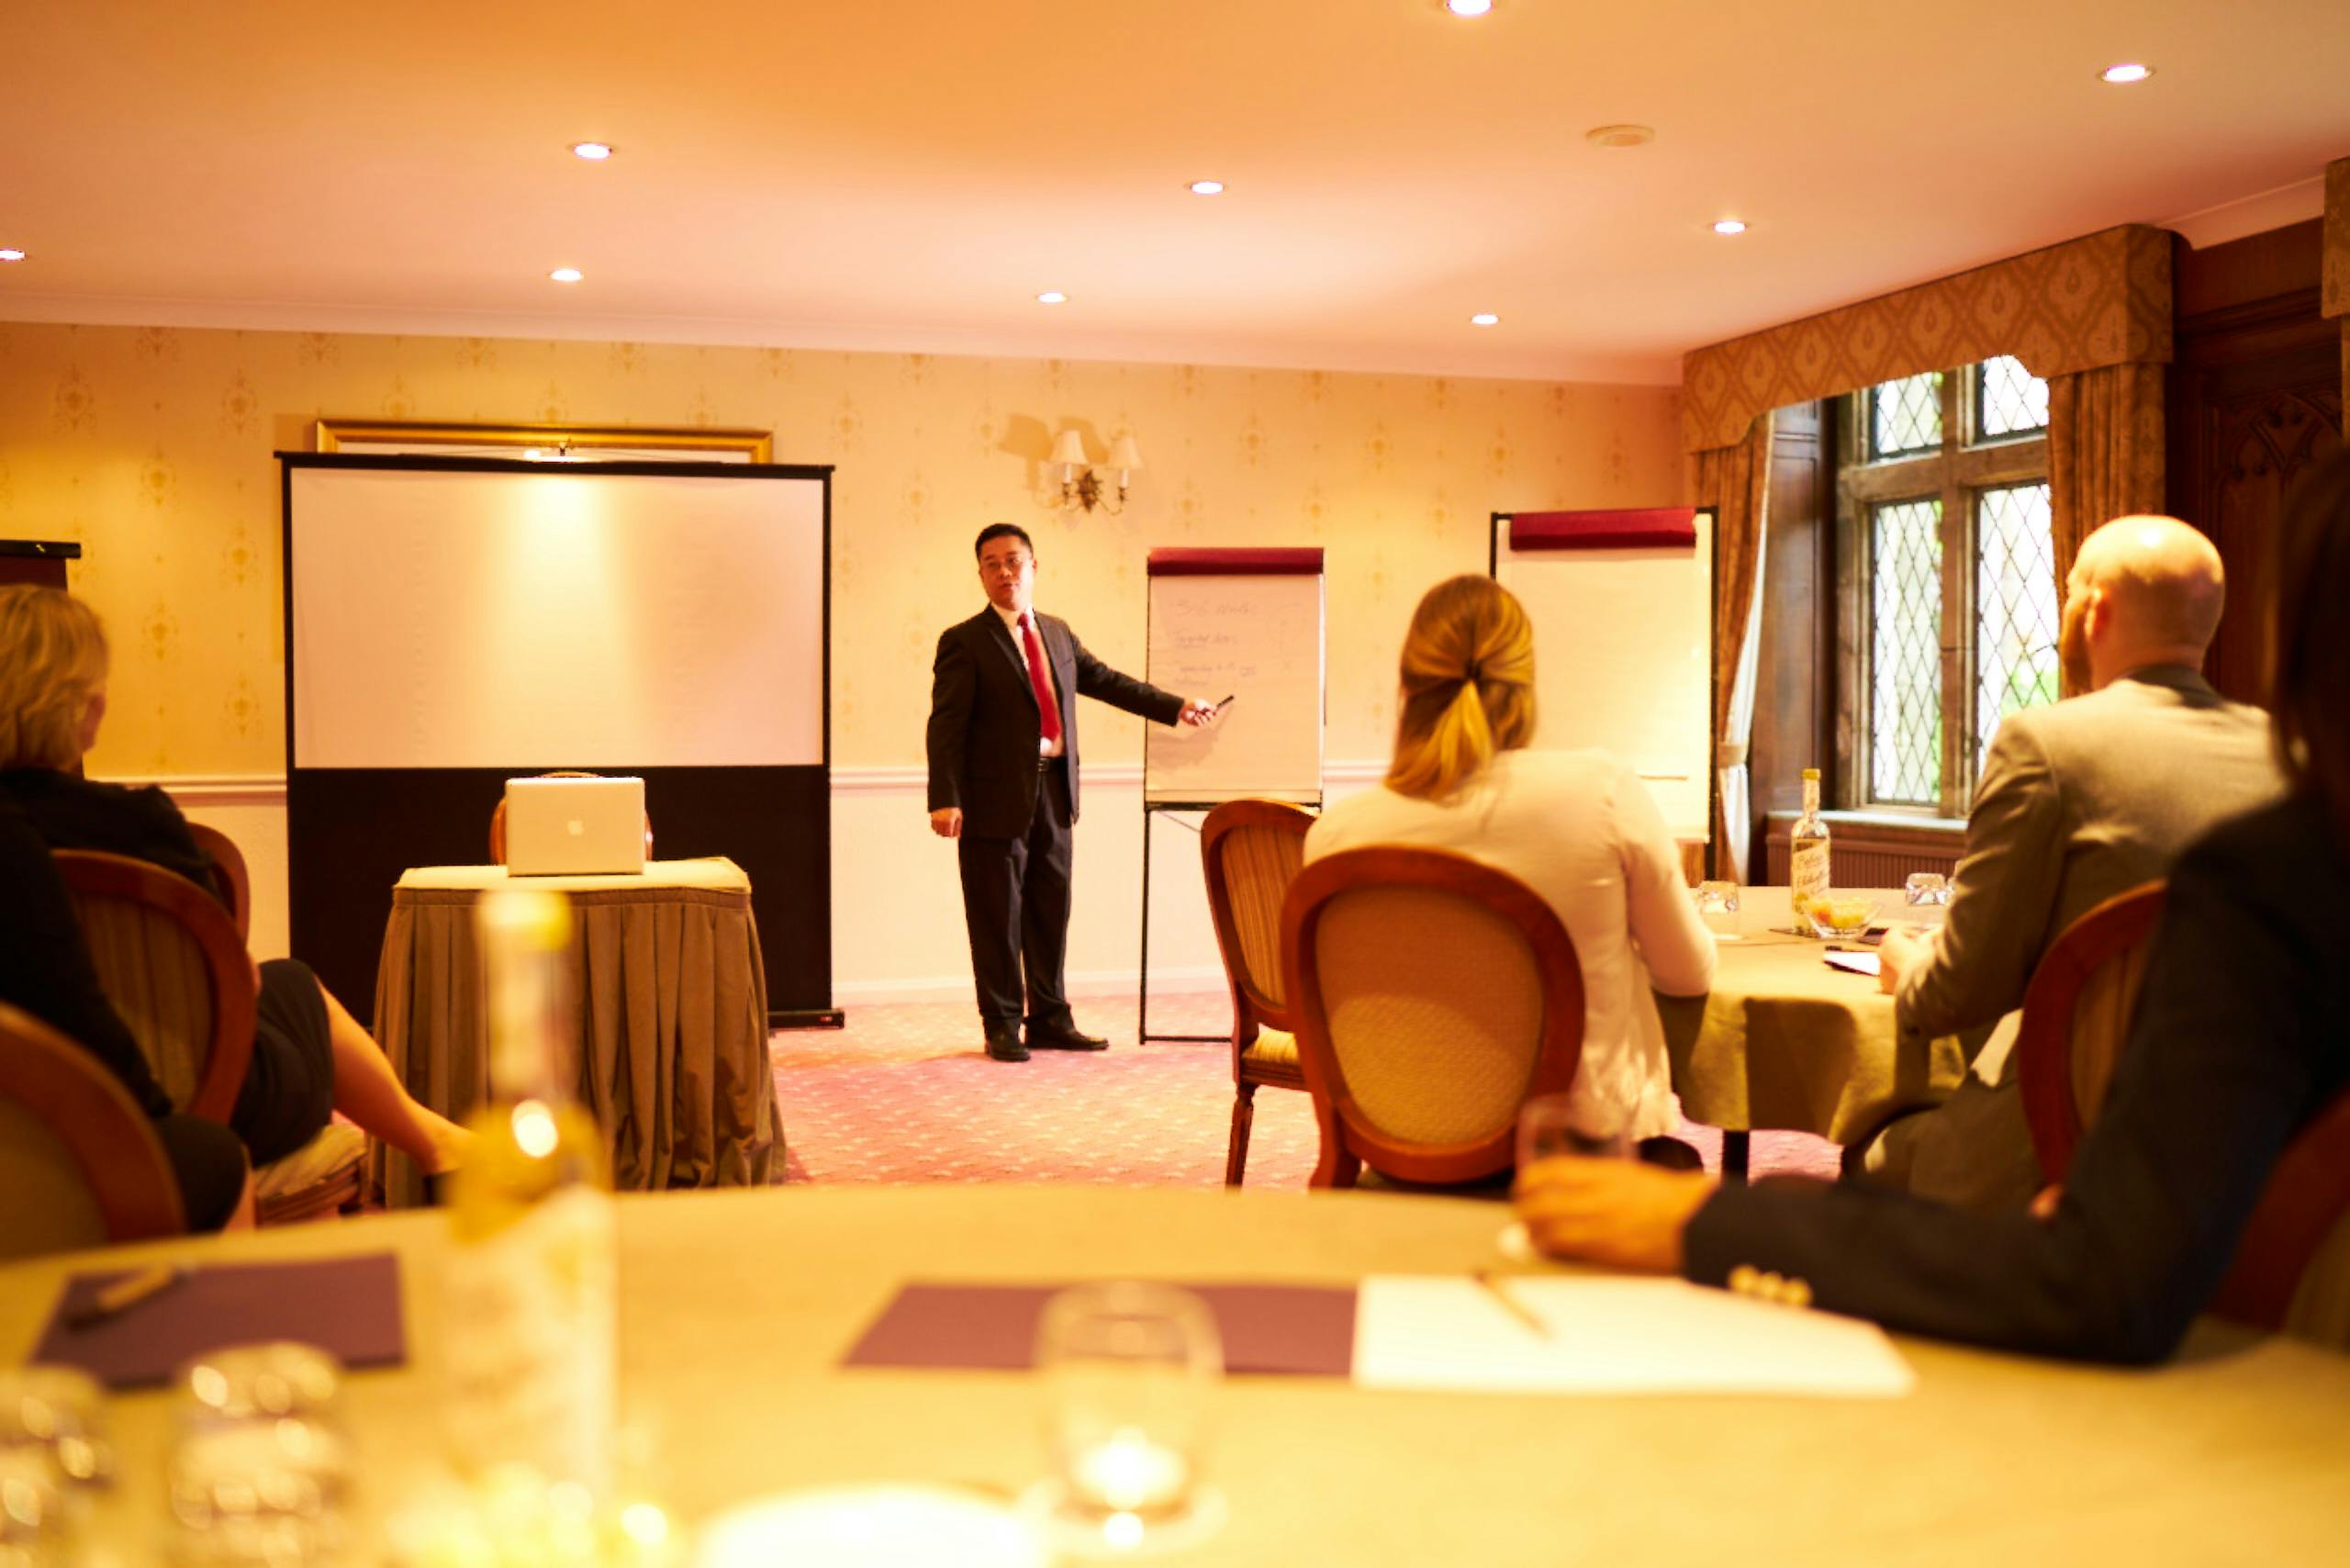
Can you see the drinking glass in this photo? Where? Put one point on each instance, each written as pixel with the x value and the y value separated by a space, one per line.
pixel 1926 886
pixel 1129 1371
pixel 261 1464
pixel 1717 907
pixel 1555 1124
pixel 55 1460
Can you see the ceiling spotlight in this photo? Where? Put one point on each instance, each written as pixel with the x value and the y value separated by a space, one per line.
pixel 594 151
pixel 1052 296
pixel 1484 318
pixel 10 253
pixel 1620 135
pixel 2123 75
pixel 1207 187
pixel 1468 7
pixel 1730 226
pixel 566 275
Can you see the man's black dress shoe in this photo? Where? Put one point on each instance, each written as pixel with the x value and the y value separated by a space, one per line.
pixel 1063 1036
pixel 1003 1044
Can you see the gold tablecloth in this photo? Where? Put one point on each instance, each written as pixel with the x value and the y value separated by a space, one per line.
pixel 1783 1040
pixel 736 1307
pixel 672 1013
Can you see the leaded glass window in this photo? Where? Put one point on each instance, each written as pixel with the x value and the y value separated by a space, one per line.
pixel 2008 400
pixel 1905 593
pixel 2016 615
pixel 1906 416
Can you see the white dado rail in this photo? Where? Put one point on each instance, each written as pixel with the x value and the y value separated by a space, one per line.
pixel 897 905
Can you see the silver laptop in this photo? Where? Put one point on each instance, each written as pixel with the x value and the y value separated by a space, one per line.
pixel 573 827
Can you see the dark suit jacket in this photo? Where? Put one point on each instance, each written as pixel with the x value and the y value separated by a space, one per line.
pixel 985 725
pixel 2241 1035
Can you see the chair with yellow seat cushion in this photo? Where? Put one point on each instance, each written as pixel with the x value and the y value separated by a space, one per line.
pixel 236 882
pixel 174 968
pixel 79 1162
pixel 1251 851
pixel 2077 1014
pixel 1433 995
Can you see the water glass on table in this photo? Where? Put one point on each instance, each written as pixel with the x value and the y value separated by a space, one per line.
pixel 1717 907
pixel 261 1464
pixel 1925 887
pixel 1129 1371
pixel 55 1462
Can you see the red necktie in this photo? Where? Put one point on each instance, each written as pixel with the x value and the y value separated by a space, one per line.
pixel 1046 708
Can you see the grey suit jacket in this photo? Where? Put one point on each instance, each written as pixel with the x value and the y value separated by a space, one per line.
pixel 2079 801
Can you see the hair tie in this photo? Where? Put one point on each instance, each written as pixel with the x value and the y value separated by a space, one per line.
pixel 1476 671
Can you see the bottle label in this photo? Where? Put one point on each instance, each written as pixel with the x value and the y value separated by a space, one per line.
pixel 1808 873
pixel 532 1358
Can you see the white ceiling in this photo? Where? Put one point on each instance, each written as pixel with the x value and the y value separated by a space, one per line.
pixel 908 175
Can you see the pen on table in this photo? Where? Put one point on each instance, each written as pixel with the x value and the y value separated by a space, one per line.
pixel 1498 1288
pixel 114 1300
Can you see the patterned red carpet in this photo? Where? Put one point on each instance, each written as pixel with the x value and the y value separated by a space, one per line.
pixel 903 1094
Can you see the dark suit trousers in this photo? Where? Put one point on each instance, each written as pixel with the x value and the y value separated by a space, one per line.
pixel 1015 906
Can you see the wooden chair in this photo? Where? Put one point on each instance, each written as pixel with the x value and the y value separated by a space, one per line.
pixel 2077 1015
pixel 236 881
pixel 498 818
pixel 79 1162
pixel 1251 850
pixel 1433 996
pixel 2292 1263
pixel 174 968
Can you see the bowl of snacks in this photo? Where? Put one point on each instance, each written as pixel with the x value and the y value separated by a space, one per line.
pixel 1839 916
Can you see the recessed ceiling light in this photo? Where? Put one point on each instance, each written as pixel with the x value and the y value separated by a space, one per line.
pixel 1468 7
pixel 566 275
pixel 1620 135
pixel 1052 296
pixel 1207 187
pixel 2123 75
pixel 1484 318
pixel 11 253
pixel 594 151
pixel 1730 226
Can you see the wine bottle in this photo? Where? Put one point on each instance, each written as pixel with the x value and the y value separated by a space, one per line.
pixel 533 1271
pixel 1808 849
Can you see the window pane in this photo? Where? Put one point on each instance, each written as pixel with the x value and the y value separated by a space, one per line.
pixel 1906 416
pixel 1905 662
pixel 2016 615
pixel 2009 399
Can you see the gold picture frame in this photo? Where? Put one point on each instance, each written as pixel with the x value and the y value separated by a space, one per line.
pixel 680 445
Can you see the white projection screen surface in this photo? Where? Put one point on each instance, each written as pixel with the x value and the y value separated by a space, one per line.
pixel 450 619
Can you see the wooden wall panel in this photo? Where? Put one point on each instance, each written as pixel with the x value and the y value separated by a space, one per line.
pixel 1793 687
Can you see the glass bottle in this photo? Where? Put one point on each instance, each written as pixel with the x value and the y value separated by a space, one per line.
pixel 533 1271
pixel 1808 849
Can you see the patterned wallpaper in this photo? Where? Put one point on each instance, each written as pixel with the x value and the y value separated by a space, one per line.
pixel 152 447
pixel 2099 300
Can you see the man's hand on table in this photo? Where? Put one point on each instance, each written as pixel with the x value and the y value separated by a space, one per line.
pixel 1616 1212
pixel 1903 949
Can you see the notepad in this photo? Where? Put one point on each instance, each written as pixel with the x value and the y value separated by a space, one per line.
pixel 348 1305
pixel 1610 1335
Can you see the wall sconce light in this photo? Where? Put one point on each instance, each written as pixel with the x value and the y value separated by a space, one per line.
pixel 1080 488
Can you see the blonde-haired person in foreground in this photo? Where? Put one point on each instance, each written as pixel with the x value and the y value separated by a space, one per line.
pixel 310 1056
pixel 1575 826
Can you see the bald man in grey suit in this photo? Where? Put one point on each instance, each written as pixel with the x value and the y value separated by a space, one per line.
pixel 2079 801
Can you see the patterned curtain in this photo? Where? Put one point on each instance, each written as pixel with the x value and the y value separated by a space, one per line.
pixel 2105 452
pixel 1735 481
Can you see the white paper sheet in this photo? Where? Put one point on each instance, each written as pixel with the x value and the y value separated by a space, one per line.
pixel 1859 963
pixel 1612 1335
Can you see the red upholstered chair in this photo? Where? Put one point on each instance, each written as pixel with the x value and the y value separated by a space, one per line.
pixel 2077 1015
pixel 236 881
pixel 1251 850
pixel 79 1162
pixel 1433 995
pixel 2292 1264
pixel 173 968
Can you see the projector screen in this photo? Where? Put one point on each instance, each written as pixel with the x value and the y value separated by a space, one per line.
pixel 452 623
pixel 499 619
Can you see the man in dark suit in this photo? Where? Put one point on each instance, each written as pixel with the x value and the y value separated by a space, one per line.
pixel 1002 745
